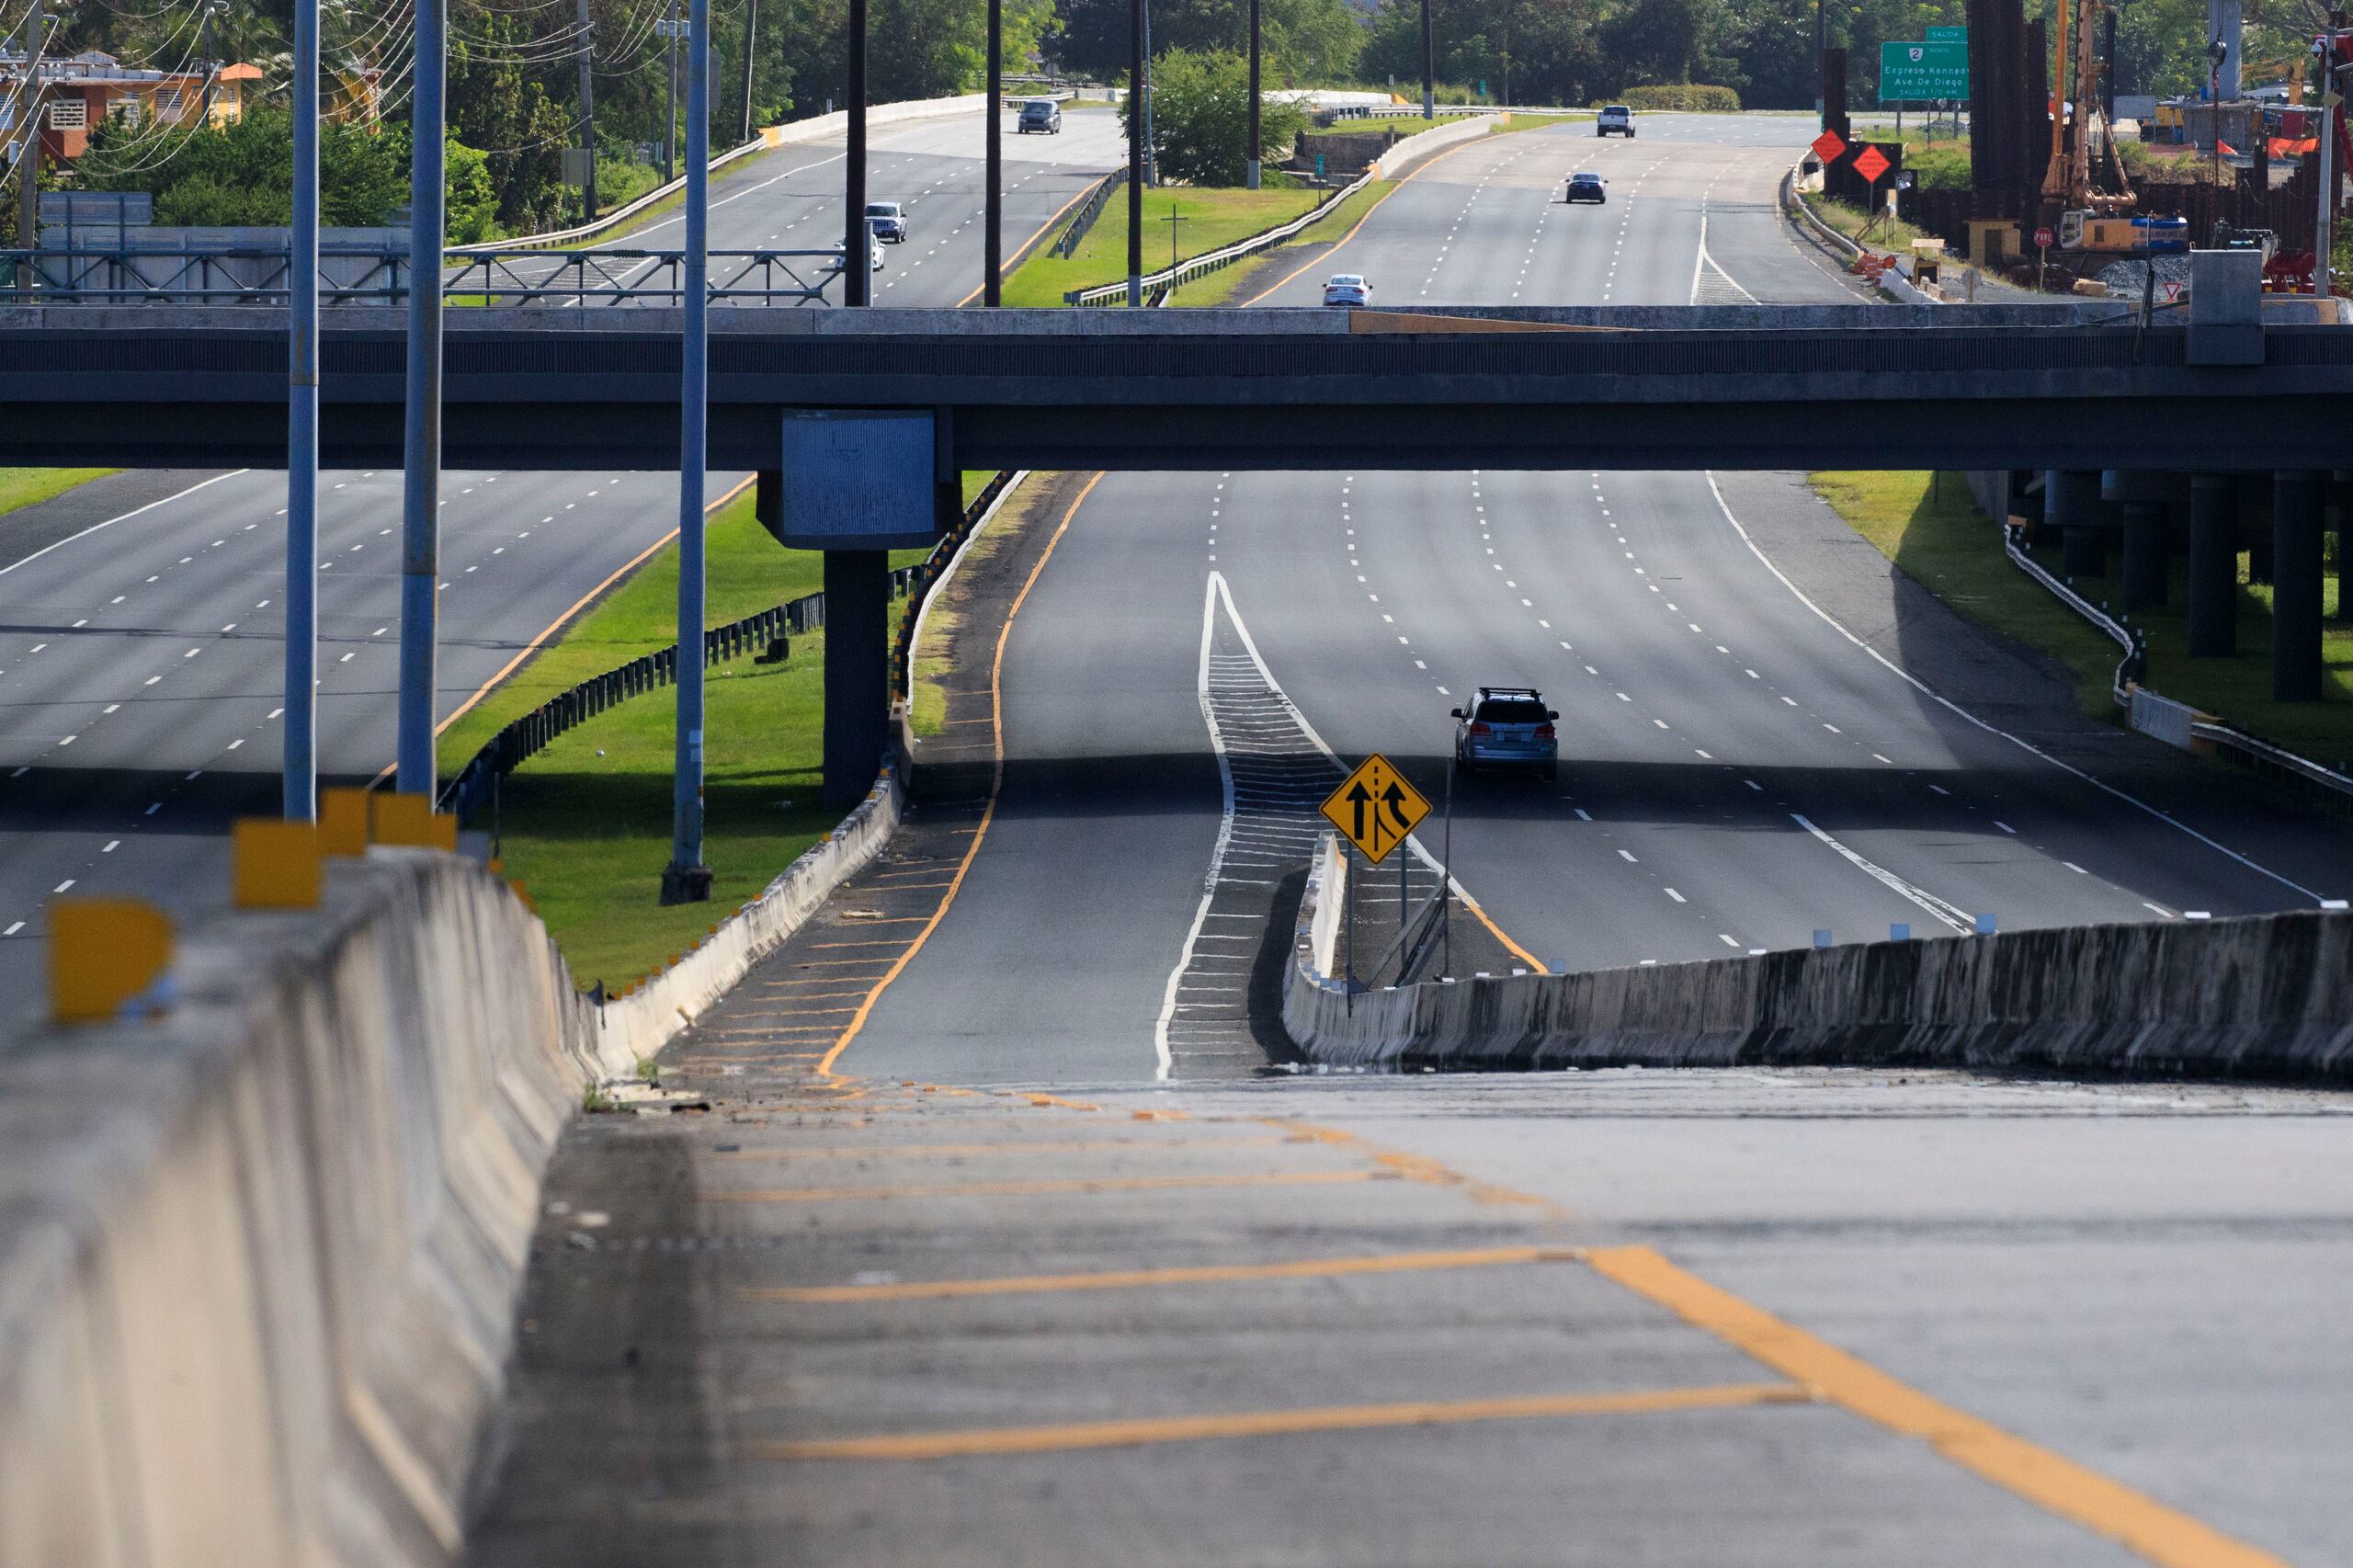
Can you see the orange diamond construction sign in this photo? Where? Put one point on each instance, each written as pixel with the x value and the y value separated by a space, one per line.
pixel 1374 808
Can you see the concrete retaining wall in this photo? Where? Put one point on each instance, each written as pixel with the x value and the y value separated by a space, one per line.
pixel 2263 996
pixel 1403 157
pixel 259 1256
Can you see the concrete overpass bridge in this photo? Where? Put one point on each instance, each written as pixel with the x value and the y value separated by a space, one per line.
pixel 1654 388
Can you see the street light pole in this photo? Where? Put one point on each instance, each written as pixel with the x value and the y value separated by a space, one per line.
pixel 1430 66
pixel 1255 149
pixel 688 879
pixel 1821 48
pixel 301 776
pixel 1135 152
pixel 421 477
pixel 858 234
pixel 993 239
pixel 2325 224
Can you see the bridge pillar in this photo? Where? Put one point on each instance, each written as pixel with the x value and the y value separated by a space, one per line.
pixel 2213 566
pixel 2071 503
pixel 2142 493
pixel 2296 534
pixel 858 685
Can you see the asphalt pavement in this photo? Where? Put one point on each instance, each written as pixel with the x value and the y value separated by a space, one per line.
pixel 141 650
pixel 966 1264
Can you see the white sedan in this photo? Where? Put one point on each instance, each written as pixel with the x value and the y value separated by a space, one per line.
pixel 1347 289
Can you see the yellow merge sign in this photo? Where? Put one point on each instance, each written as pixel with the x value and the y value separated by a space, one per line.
pixel 1376 808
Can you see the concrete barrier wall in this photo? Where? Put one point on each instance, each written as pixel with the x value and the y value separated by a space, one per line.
pixel 1410 154
pixel 2262 997
pixel 259 1256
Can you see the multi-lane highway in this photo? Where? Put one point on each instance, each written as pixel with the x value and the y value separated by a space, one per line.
pixel 1126 1302
pixel 140 661
pixel 1763 733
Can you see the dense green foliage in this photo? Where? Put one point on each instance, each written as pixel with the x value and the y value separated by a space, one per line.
pixel 1687 97
pixel 1302 42
pixel 1200 113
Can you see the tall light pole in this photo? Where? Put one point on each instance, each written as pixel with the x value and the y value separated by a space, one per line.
pixel 686 880
pixel 1430 66
pixel 751 42
pixel 1135 152
pixel 1253 153
pixel 858 234
pixel 993 239
pixel 2325 222
pixel 1821 48
pixel 421 476
pixel 300 765
pixel 29 106
pixel 588 113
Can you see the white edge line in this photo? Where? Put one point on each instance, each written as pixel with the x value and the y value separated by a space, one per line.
pixel 1413 842
pixel 111 522
pixel 1952 914
pixel 2028 747
pixel 1210 593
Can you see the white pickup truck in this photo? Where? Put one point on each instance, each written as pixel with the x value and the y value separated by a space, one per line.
pixel 1615 120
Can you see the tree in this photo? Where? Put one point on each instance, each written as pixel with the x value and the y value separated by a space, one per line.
pixel 1301 42
pixel 1200 116
pixel 243 173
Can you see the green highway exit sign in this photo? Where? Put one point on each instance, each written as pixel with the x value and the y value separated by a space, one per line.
pixel 1937 68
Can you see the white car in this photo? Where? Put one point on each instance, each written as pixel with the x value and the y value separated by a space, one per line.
pixel 1347 289
pixel 838 262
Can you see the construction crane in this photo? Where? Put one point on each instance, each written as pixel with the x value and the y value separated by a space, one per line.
pixel 2071 181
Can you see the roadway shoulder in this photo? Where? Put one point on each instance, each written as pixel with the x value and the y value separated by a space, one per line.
pixel 29 530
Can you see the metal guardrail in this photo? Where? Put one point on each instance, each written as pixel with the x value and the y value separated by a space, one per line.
pixel 2248 749
pixel 1195 267
pixel 1093 209
pixel 352 276
pixel 619 215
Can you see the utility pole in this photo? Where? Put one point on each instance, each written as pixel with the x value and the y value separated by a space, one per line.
pixel 1135 152
pixel 588 111
pixel 421 477
pixel 688 879
pixel 1430 66
pixel 751 40
pixel 858 238
pixel 2324 223
pixel 29 108
pixel 993 239
pixel 1254 155
pixel 1821 48
pixel 1150 144
pixel 670 100
pixel 300 782
pixel 212 9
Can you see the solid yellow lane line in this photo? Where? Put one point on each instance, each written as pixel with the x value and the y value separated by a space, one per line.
pixel 1145 1278
pixel 1047 1189
pixel 1021 252
pixel 988 812
pixel 998 1440
pixel 966 1151
pixel 2140 1523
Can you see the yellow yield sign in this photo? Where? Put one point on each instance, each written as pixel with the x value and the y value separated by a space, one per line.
pixel 1375 808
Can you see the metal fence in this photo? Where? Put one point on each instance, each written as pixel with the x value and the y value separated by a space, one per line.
pixel 1096 199
pixel 352 276
pixel 916 581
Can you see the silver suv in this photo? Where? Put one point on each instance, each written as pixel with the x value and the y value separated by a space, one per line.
pixel 1508 726
pixel 1615 121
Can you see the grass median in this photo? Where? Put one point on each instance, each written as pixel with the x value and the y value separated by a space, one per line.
pixel 584 826
pixel 21 487
pixel 1209 220
pixel 1936 533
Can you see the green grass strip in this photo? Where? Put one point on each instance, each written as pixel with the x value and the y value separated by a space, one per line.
pixel 1211 221
pixel 30 486
pixel 1940 538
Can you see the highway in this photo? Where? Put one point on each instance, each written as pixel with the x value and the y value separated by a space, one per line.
pixel 1738 771
pixel 995 1248
pixel 140 661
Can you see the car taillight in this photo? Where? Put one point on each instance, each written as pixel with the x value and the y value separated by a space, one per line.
pixel 1481 730
pixel 1543 731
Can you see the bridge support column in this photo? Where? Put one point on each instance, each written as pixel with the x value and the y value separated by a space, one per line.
pixel 2143 494
pixel 2071 503
pixel 2213 566
pixel 858 690
pixel 2296 535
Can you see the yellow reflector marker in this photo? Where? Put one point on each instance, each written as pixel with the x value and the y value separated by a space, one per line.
pixel 343 821
pixel 276 864
pixel 103 953
pixel 410 822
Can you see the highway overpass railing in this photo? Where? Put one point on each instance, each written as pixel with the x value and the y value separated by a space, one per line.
pixel 382 276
